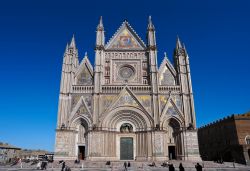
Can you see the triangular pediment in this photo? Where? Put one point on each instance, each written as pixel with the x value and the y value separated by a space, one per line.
pixel 126 98
pixel 171 108
pixel 84 74
pixel 126 39
pixel 81 108
pixel 167 73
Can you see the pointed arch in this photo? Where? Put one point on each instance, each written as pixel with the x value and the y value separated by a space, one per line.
pixel 141 120
pixel 75 112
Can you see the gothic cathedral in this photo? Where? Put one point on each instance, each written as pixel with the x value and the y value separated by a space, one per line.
pixel 126 108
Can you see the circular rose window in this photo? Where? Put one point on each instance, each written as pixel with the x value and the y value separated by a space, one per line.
pixel 126 72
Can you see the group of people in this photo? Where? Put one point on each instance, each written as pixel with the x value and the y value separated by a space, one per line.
pixel 126 165
pixel 172 168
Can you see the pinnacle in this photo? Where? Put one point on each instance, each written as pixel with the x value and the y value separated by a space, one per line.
pixel 73 43
pixel 178 43
pixel 150 23
pixel 100 25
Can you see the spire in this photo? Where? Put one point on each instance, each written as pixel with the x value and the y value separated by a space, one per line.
pixel 86 55
pixel 165 55
pixel 73 43
pixel 150 23
pixel 178 43
pixel 100 39
pixel 66 49
pixel 100 25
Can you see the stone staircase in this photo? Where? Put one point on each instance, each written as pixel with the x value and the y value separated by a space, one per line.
pixel 136 166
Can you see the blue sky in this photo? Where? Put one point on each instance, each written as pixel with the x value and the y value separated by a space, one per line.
pixel 33 36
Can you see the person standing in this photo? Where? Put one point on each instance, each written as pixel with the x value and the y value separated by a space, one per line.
pixel 171 167
pixel 181 168
pixel 198 167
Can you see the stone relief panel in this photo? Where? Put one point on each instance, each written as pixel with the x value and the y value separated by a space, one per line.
pixel 167 78
pixel 97 144
pixel 85 77
pixel 145 101
pixel 158 145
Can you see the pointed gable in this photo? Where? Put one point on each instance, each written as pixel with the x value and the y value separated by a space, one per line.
pixel 84 74
pixel 126 98
pixel 167 73
pixel 126 39
pixel 81 108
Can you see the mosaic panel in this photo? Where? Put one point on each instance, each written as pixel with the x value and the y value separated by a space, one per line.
pixel 85 78
pixel 146 102
pixel 88 100
pixel 126 99
pixel 171 110
pixel 107 101
pixel 163 101
pixel 75 99
pixel 167 77
pixel 178 103
pixel 125 41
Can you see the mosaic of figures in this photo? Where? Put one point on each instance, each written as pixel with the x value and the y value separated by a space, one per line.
pixel 85 77
pixel 166 77
pixel 176 99
pixel 87 98
pixel 125 41
pixel 145 101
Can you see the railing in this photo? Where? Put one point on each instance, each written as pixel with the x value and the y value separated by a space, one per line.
pixel 113 89
pixel 165 89
pixel 82 89
pixel 135 89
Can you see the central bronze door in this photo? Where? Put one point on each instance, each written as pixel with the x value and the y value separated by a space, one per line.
pixel 126 148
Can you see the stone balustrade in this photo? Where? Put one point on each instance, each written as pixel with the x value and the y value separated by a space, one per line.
pixel 113 89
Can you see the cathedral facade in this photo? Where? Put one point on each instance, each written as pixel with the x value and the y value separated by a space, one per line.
pixel 126 107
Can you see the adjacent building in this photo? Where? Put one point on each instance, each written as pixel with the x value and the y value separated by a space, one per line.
pixel 126 107
pixel 8 152
pixel 227 139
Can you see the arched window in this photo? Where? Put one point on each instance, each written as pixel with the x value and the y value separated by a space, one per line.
pixel 248 139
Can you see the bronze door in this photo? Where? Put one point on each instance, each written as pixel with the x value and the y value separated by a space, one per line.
pixel 126 148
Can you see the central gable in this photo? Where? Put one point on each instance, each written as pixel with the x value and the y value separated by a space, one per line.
pixel 125 39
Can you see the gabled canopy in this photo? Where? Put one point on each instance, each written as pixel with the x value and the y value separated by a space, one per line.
pixel 125 38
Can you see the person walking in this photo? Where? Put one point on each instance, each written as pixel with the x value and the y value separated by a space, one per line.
pixel 125 166
pixel 181 168
pixel 63 165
